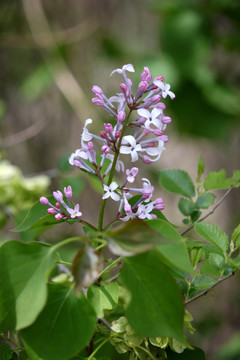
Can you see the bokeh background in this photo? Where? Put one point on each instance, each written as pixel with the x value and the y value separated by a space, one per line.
pixel 53 52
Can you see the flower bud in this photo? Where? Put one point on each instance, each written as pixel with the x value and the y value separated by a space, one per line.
pixel 58 217
pixel 58 206
pixel 117 134
pixel 68 192
pixel 44 200
pixel 161 106
pixel 164 138
pixel 123 87
pixel 155 98
pixel 51 211
pixel 98 101
pixel 58 195
pixel 103 134
pixel 105 149
pixel 146 159
pixel 121 116
pixel 158 132
pixel 108 128
pixel 143 86
pixel 166 120
pixel 97 90
pixel 90 145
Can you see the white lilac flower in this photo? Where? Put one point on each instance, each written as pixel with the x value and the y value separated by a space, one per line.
pixel 86 135
pixel 131 174
pixel 110 191
pixel 165 89
pixel 144 211
pixel 155 151
pixel 74 212
pixel 120 99
pixel 151 118
pixel 133 149
pixel 147 189
pixel 128 67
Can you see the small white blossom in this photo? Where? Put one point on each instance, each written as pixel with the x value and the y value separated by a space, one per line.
pixel 110 191
pixel 151 118
pixel 86 135
pixel 128 67
pixel 165 89
pixel 133 149
pixel 74 212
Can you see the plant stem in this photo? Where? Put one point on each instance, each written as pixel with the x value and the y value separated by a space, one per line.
pixel 67 241
pixel 212 210
pixel 207 290
pixel 88 225
pixel 103 204
pixel 98 348
pixel 110 266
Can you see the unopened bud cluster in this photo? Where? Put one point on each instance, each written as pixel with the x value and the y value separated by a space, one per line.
pixel 142 138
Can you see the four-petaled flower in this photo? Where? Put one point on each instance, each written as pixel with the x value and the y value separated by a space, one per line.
pixel 133 149
pixel 151 117
pixel 74 212
pixel 128 67
pixel 110 191
pixel 165 89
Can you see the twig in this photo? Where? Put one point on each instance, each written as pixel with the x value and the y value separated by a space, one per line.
pixel 207 290
pixel 212 210
pixel 63 77
pixel 24 135
pixel 102 320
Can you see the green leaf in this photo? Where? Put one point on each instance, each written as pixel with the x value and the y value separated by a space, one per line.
pixel 5 351
pixel 103 297
pixel 203 282
pixel 235 236
pixel 207 268
pixel 200 167
pixel 37 212
pixel 23 292
pixel 133 237
pixel 174 253
pixel 195 215
pixel 186 206
pixel 178 182
pixel 195 354
pixel 213 234
pixel 217 180
pixel 64 327
pixel 204 201
pixel 156 307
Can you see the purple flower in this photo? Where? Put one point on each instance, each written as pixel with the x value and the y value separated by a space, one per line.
pixel 74 212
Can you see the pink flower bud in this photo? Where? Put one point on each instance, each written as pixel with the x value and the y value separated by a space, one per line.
pixel 68 192
pixel 155 98
pixel 146 193
pixel 149 78
pixel 108 128
pixel 58 206
pixel 143 86
pixel 77 163
pixel 51 211
pixel 129 82
pixel 98 101
pixel 97 90
pixel 117 134
pixel 158 132
pixel 123 87
pixel 103 134
pixel 164 138
pixel 127 207
pixel 146 76
pixel 160 78
pixel 105 149
pixel 146 131
pixel 151 144
pixel 121 116
pixel 161 106
pixel 160 207
pixel 58 195
pixel 166 120
pixel 58 217
pixel 44 200
pixel 90 145
pixel 146 159
pixel 154 216
pixel 159 201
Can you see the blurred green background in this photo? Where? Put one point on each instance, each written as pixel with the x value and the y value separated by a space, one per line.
pixel 53 52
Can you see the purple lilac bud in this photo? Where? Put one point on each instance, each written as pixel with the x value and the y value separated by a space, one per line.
pixel 103 134
pixel 108 128
pixel 58 195
pixel 44 200
pixel 161 106
pixel 98 101
pixel 158 132
pixel 121 116
pixel 68 192
pixel 58 217
pixel 58 206
pixel 143 86
pixel 97 90
pixel 146 159
pixel 106 149
pixel 164 138
pixel 117 134
pixel 166 120
pixel 155 98
pixel 90 145
pixel 51 211
pixel 123 87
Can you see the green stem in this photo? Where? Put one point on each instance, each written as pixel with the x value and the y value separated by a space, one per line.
pixel 88 225
pixel 98 348
pixel 110 266
pixel 67 241
pixel 103 204
pixel 64 263
pixel 143 349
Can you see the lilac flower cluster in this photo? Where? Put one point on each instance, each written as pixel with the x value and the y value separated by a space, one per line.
pixel 142 138
pixel 61 209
